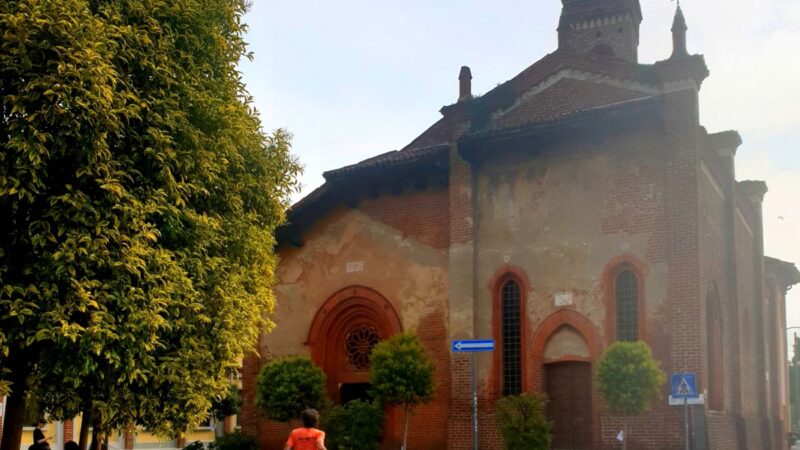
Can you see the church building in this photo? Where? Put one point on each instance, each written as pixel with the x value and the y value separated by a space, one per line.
pixel 579 203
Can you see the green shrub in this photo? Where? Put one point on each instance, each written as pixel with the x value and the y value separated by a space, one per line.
pixel 523 423
pixel 234 441
pixel 355 426
pixel 287 386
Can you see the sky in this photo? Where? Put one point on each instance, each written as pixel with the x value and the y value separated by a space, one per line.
pixel 355 78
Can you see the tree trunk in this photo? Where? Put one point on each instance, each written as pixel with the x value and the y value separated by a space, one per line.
pixel 13 419
pixel 625 433
pixel 86 422
pixel 405 427
pixel 96 438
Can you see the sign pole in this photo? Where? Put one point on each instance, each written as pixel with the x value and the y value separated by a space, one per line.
pixel 474 404
pixel 686 420
pixel 473 346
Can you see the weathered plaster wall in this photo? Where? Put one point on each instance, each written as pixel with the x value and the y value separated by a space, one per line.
pixel 564 220
pixel 350 247
pixel 564 343
pixel 560 220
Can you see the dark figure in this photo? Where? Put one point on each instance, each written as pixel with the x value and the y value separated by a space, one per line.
pixel 39 440
pixel 71 445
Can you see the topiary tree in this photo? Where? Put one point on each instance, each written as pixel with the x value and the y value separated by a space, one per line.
pixel 355 426
pixel 628 379
pixel 401 374
pixel 523 423
pixel 287 386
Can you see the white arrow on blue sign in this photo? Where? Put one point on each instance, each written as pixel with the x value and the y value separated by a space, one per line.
pixel 484 345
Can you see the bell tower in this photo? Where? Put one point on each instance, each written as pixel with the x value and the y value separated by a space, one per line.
pixel 608 28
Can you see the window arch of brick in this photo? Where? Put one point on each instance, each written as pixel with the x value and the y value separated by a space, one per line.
pixel 510 329
pixel 623 283
pixel 714 330
pixel 352 308
pixel 560 318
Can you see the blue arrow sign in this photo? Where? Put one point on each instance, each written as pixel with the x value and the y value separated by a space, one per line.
pixel 484 345
pixel 684 385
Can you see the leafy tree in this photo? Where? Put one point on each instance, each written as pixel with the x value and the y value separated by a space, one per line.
pixel 628 379
pixel 523 423
pixel 401 374
pixel 139 196
pixel 287 386
pixel 355 426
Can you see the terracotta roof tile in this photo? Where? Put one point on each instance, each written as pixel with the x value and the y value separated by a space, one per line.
pixel 388 158
pixel 561 99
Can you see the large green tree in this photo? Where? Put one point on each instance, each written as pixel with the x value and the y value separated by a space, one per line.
pixel 138 200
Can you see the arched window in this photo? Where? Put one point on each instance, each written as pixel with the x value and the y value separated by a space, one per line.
pixel 511 329
pixel 626 287
pixel 603 50
pixel 714 349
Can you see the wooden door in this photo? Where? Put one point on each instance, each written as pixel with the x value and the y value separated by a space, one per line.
pixel 569 388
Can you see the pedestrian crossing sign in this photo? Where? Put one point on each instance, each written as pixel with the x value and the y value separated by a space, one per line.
pixel 684 385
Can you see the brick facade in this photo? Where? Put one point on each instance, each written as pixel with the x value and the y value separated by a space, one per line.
pixel 69 430
pixel 580 167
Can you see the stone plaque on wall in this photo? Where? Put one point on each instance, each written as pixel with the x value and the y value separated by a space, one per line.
pixel 355 266
pixel 563 299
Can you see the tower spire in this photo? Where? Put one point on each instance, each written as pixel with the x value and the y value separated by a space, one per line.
pixel 679 33
pixel 601 27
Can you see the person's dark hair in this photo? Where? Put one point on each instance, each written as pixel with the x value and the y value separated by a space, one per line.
pixel 71 445
pixel 310 418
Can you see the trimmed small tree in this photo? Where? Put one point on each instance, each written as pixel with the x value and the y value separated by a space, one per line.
pixel 523 423
pixel 628 379
pixel 355 426
pixel 287 386
pixel 401 374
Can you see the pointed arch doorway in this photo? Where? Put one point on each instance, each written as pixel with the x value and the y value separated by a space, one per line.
pixel 569 390
pixel 342 335
pixel 565 346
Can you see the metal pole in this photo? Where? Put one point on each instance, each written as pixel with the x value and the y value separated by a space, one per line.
pixel 474 404
pixel 686 420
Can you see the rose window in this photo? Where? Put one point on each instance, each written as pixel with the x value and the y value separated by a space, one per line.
pixel 358 346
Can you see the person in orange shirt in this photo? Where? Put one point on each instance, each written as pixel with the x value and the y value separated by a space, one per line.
pixel 308 437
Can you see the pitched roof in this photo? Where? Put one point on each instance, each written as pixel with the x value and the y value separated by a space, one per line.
pixel 392 158
pixel 471 145
pixel 564 97
pixel 506 113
